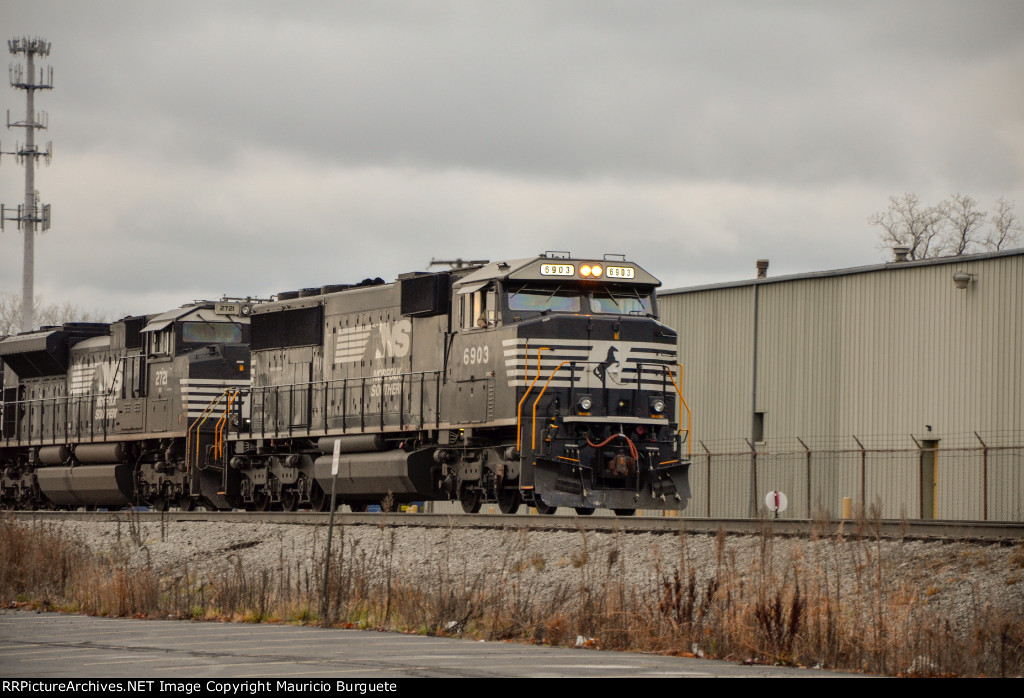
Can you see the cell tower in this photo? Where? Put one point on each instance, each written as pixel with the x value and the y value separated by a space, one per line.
pixel 33 211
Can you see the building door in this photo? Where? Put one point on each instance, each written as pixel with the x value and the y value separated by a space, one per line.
pixel 929 478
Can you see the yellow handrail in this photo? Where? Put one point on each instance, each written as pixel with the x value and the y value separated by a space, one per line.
pixel 689 415
pixel 519 407
pixel 218 430
pixel 533 425
pixel 197 425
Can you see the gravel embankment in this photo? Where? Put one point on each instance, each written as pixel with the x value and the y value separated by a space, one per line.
pixel 959 576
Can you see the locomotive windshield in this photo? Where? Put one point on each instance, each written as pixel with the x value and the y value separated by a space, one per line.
pixel 567 299
pixel 538 299
pixel 620 302
pixel 211 333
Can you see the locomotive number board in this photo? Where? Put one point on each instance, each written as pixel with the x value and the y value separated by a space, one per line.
pixel 570 270
pixel 558 270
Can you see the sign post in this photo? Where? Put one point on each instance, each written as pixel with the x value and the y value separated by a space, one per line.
pixel 324 604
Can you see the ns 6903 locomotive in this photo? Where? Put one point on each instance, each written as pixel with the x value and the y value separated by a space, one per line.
pixel 546 380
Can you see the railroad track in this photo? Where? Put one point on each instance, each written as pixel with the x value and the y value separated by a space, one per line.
pixel 982 531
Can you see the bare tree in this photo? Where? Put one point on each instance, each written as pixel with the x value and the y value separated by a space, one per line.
pixel 961 220
pixel 950 228
pixel 10 313
pixel 1006 228
pixel 908 222
pixel 45 313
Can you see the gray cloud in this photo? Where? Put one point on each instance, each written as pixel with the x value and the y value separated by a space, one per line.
pixel 257 146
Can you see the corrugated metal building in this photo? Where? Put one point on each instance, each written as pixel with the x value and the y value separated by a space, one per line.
pixel 898 385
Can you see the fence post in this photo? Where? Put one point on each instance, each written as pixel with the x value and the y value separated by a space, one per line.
pixel 808 475
pixel 708 486
pixel 753 479
pixel 984 478
pixel 863 468
pixel 920 477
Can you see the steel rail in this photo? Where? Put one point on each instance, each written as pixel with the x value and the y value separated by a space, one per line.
pixel 981 531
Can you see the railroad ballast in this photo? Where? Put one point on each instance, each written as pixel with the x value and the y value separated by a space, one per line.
pixel 546 380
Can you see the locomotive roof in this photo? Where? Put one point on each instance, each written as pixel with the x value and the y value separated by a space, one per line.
pixel 44 352
pixel 540 269
pixel 202 312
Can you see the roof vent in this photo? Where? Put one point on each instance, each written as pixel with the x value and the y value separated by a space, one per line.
pixel 900 253
pixel 762 268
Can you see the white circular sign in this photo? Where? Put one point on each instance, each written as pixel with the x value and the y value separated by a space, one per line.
pixel 776 501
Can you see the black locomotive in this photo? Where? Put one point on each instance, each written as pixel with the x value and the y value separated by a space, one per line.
pixel 546 380
pixel 119 414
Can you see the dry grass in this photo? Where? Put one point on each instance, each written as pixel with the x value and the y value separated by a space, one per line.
pixel 827 604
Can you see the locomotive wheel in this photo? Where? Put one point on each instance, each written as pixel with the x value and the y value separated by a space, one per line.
pixel 290 500
pixel 543 508
pixel 318 499
pixel 261 501
pixel 584 511
pixel 186 503
pixel 509 500
pixel 469 499
pixel 160 504
pixel 624 512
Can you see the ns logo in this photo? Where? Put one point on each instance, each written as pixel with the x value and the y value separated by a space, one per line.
pixel 607 360
pixel 383 340
pixel 393 339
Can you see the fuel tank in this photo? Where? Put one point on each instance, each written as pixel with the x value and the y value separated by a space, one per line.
pixel 87 485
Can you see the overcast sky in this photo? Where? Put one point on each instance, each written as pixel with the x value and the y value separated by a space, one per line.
pixel 249 147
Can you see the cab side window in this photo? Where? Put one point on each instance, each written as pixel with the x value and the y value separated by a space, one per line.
pixel 160 342
pixel 479 309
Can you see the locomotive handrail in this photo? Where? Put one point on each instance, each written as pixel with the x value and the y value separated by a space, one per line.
pixel 335 380
pixel 376 417
pixel 533 424
pixel 24 417
pixel 639 379
pixel 519 407
pixel 219 429
pixel 689 415
pixel 197 425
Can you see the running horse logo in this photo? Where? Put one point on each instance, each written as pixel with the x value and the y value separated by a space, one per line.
pixel 606 367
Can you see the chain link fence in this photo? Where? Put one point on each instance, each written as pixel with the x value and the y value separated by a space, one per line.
pixel 975 477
